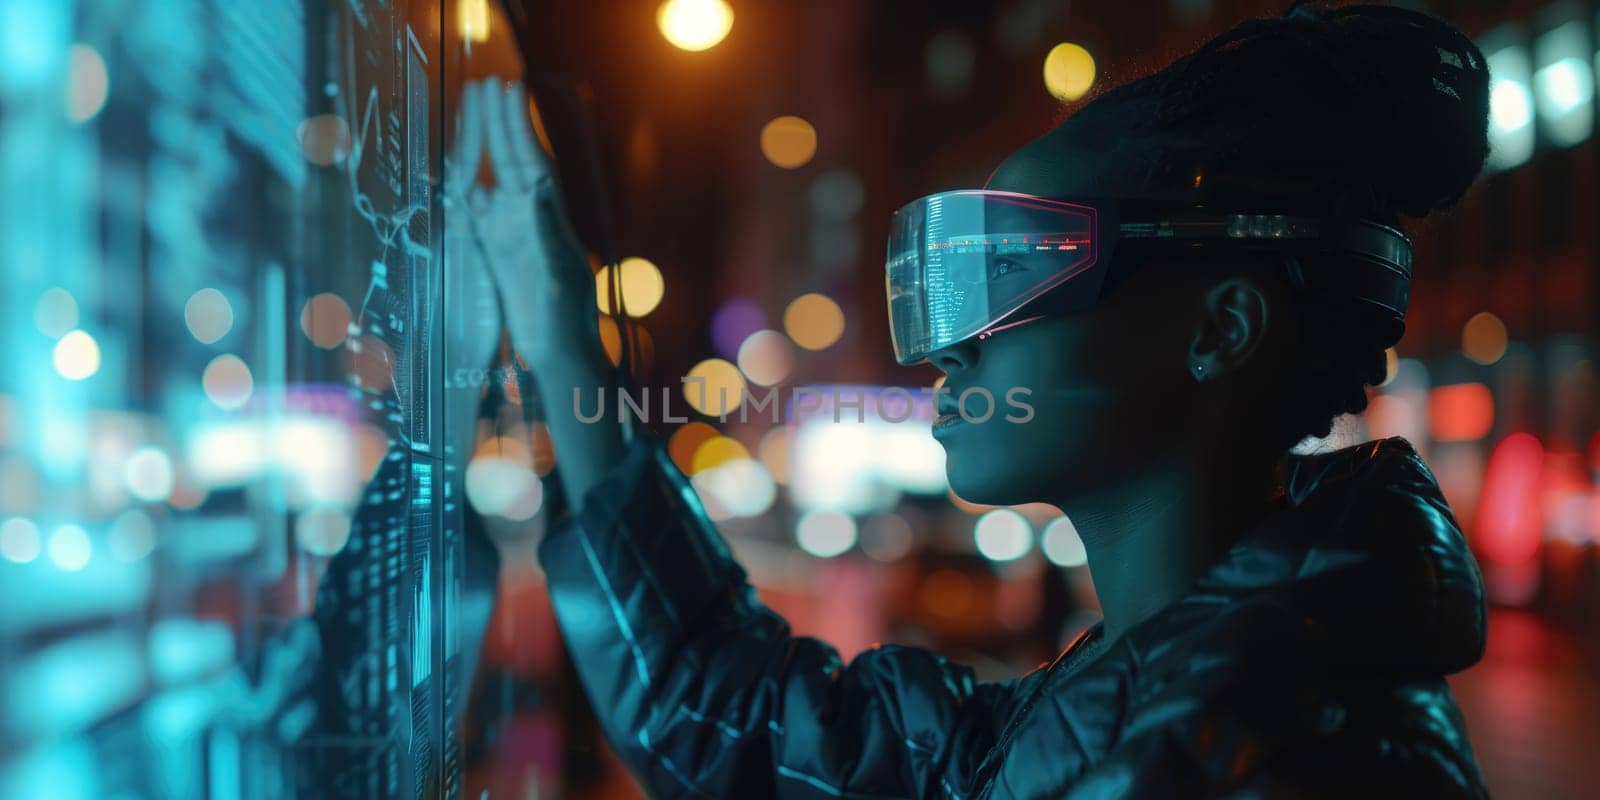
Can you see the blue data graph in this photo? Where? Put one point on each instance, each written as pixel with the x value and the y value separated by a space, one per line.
pixel 231 545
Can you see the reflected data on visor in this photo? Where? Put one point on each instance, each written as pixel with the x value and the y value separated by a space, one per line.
pixel 961 262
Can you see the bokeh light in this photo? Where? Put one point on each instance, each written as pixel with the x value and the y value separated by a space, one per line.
pixel 1483 339
pixel 1510 105
pixel 773 450
pixel 715 452
pixel 325 320
pixel 686 441
pixel 1061 544
pixel 641 289
pixel 88 83
pixel 1510 514
pixel 714 387
pixel 132 536
pixel 741 486
pixel 503 487
pixel 766 358
pixel 789 142
pixel 825 533
pixel 501 480
pixel 324 139
pixel 19 540
pixel 322 531
pixel 1512 139
pixel 208 315
pixel 70 548
pixel 473 18
pixel 148 474
pixel 56 313
pixel 1565 84
pixel 1002 535
pixel 694 25
pixel 813 321
pixel 733 322
pixel 227 381
pixel 1460 412
pixel 1068 71
pixel 886 537
pixel 76 355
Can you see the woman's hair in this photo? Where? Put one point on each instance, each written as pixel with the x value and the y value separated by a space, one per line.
pixel 1362 111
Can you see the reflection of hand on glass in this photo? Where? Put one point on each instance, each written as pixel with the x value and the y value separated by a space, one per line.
pixel 540 270
pixel 520 229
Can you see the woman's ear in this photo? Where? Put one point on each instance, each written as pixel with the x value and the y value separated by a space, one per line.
pixel 1230 326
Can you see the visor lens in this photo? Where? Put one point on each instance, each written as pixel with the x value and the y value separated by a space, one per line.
pixel 961 262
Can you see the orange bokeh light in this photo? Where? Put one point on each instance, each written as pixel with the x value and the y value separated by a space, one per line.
pixel 1460 412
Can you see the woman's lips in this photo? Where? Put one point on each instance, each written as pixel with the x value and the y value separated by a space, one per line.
pixel 945 422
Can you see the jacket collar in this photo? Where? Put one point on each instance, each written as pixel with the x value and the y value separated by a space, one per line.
pixel 1369 551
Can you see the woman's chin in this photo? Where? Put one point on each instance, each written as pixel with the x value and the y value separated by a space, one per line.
pixel 989 487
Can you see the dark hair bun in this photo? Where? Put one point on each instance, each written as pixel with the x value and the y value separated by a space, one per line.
pixel 1419 99
pixel 1361 110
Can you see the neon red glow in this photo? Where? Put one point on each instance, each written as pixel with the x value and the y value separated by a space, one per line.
pixel 1510 518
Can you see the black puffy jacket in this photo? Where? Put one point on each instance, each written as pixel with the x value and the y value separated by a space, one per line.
pixel 1309 662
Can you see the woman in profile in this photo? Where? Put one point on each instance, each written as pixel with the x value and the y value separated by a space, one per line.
pixel 1276 625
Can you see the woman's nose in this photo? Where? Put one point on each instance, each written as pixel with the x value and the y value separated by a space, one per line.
pixel 959 356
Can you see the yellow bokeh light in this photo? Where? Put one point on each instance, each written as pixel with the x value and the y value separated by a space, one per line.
pixel 686 441
pixel 227 381
pixel 88 84
pixel 789 142
pixel 641 290
pixel 473 17
pixel 714 387
pixel 325 320
pixel 813 321
pixel 716 452
pixel 1068 71
pixel 76 356
pixel 1483 339
pixel 694 25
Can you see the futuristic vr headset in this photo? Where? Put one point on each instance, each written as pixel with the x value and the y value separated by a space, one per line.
pixel 968 263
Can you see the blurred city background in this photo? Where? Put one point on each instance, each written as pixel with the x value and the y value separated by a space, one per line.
pixel 240 393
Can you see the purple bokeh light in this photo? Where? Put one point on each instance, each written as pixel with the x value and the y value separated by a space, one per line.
pixel 735 320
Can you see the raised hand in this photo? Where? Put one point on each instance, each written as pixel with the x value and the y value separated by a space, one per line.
pixel 540 269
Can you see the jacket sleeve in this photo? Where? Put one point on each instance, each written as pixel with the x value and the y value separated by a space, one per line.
pixel 703 691
pixel 1258 714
